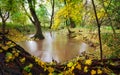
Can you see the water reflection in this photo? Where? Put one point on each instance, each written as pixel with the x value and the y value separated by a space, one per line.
pixel 55 46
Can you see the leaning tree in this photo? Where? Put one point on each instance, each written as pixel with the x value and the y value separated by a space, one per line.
pixel 34 18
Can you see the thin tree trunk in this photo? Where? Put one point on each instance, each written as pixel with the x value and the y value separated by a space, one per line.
pixel 99 34
pixel 36 22
pixel 52 16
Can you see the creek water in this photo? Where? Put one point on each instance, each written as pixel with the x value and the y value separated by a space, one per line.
pixel 55 46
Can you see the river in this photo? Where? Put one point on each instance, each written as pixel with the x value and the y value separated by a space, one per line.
pixel 55 46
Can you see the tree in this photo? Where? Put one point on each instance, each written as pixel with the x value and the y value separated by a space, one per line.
pixel 4 17
pixel 6 7
pixel 42 13
pixel 19 17
pixel 52 16
pixel 71 11
pixel 99 34
pixel 35 20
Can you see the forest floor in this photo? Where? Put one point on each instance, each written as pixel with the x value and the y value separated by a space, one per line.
pixel 14 60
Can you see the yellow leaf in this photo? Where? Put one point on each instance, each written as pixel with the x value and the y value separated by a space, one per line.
pixel 85 69
pixel 93 72
pixel 16 54
pixel 71 69
pixel 50 73
pixel 5 47
pixel 78 66
pixel 42 64
pixel 13 51
pixel 50 69
pixel 9 42
pixel 22 60
pixel 70 64
pixel 99 71
pixel 30 65
pixel 88 62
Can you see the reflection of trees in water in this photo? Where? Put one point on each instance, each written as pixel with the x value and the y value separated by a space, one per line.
pixel 55 46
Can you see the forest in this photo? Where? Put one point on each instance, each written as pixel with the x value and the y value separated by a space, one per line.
pixel 59 37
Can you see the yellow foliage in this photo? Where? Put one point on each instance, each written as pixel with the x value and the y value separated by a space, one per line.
pixel 50 73
pixel 88 62
pixel 70 64
pixel 93 72
pixel 50 69
pixel 99 71
pixel 5 47
pixel 22 60
pixel 16 54
pixel 71 69
pixel 85 69
pixel 78 66
pixel 30 65
pixel 101 13
pixel 9 42
pixel 68 72
pixel 70 10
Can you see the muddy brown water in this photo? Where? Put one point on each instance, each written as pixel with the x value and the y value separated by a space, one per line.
pixel 55 46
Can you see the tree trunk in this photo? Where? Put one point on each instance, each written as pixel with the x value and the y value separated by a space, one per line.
pixel 72 23
pixel 99 34
pixel 36 22
pixel 3 31
pixel 52 16
pixel 66 22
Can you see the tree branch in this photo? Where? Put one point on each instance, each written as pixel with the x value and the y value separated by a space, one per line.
pixel 1 13
pixel 28 14
pixel 6 16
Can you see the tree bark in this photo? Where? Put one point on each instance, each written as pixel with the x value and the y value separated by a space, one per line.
pixel 36 22
pixel 99 34
pixel 52 16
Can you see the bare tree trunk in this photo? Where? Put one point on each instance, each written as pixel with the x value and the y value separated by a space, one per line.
pixel 52 16
pixel 99 34
pixel 36 22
